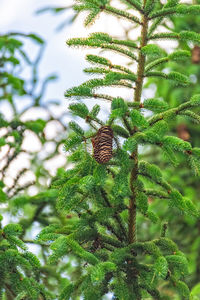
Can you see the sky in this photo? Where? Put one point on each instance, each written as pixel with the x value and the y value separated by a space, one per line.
pixel 20 16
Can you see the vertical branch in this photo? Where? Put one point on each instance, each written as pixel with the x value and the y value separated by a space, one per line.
pixel 134 155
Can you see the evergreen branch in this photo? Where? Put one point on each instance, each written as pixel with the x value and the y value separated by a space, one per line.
pixel 121 13
pixel 158 20
pixel 127 125
pixel 157 194
pixel 180 9
pixel 96 43
pixel 123 69
pixel 156 63
pixel 113 242
pixel 192 115
pixel 108 225
pixel 188 9
pixel 175 76
pixel 118 219
pixel 127 43
pixel 102 96
pixel 95 119
pixel 86 90
pixel 136 4
pixel 163 12
pixel 135 105
pixel 153 292
pixel 162 183
pixel 127 75
pixel 165 35
pixel 127 53
pixel 183 36
pixel 96 70
pixel 154 27
pixel 194 102
pixel 112 230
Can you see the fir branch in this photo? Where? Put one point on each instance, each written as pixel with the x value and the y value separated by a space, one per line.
pixel 163 12
pixel 156 63
pixel 162 183
pixel 121 13
pixel 103 96
pixel 127 125
pixel 165 36
pixel 136 4
pixel 95 43
pixel 118 219
pixel 194 102
pixel 177 77
pixel 117 49
pixel 123 69
pixel 154 26
pixel 156 193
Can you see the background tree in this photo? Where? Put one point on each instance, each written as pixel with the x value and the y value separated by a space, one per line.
pixel 21 272
pixel 95 198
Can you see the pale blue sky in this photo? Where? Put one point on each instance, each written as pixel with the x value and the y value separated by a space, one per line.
pixel 19 15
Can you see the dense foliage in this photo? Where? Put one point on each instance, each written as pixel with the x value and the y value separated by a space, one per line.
pixel 115 225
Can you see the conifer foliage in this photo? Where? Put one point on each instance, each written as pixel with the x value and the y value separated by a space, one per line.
pixel 105 199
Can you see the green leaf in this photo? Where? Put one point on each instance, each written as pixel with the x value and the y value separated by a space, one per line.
pixel 3 196
pixel 36 38
pixel 36 126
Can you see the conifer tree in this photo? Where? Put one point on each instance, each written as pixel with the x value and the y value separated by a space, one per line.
pixel 23 275
pixel 105 197
pixel 106 234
